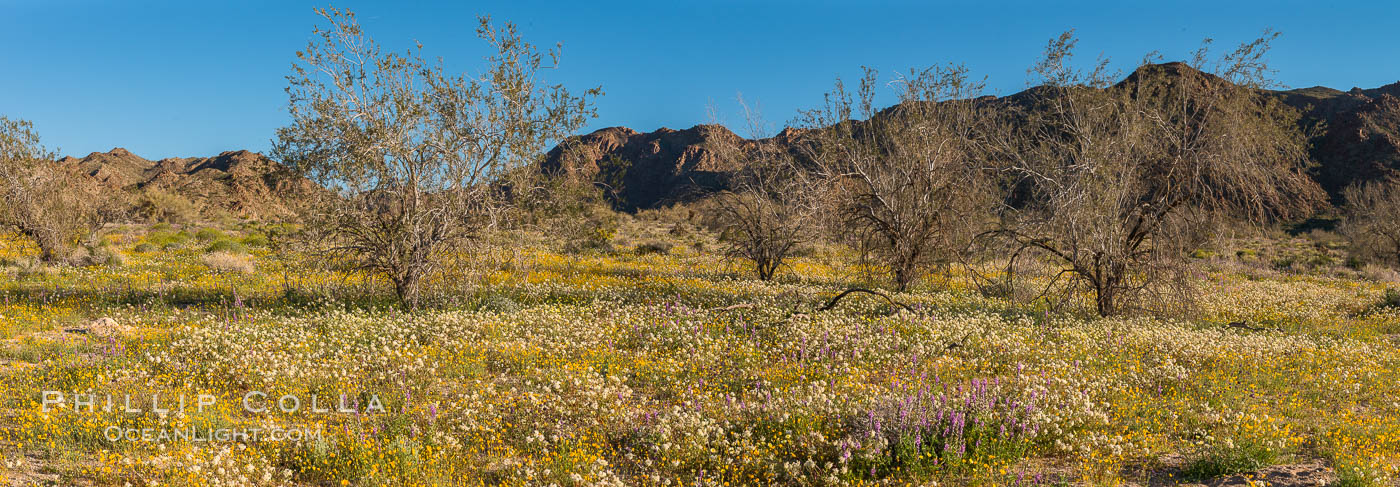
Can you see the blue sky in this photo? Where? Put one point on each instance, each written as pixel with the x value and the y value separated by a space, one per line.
pixel 167 79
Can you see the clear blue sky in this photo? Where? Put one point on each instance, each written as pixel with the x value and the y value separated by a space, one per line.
pixel 173 78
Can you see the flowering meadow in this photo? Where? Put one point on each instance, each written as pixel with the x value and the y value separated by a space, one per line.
pixel 547 367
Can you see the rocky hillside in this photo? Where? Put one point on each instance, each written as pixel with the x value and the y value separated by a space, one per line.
pixel 1355 136
pixel 242 184
pixel 645 170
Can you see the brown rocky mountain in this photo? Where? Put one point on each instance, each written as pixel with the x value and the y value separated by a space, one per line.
pixel 1354 135
pixel 239 183
pixel 645 170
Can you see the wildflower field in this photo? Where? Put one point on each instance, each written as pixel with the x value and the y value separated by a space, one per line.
pixel 670 367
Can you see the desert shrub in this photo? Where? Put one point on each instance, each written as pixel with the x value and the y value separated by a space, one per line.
pixel 597 240
pixel 158 205
pixel 768 208
pixel 612 177
pixel 910 187
pixel 1380 273
pixel 1323 239
pixel 255 239
pixel 225 262
pixel 648 248
pixel 1371 228
pixel 27 269
pixel 102 256
pixel 1355 262
pixel 144 247
pixel 1321 260
pixel 1391 298
pixel 167 239
pixel 208 234
pixel 672 214
pixel 1229 456
pixel 998 289
pixel 228 246
pixel 45 202
pixel 1305 262
pixel 594 229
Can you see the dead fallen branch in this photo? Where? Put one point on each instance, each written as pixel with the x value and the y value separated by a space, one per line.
pixel 836 299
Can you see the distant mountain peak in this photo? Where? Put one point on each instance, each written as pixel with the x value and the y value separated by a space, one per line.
pixel 238 182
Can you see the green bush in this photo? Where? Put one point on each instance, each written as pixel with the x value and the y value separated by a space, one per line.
pixel 256 239
pixel 228 246
pixel 1221 459
pixel 1285 263
pixel 143 247
pixel 1321 260
pixel 208 234
pixel 167 239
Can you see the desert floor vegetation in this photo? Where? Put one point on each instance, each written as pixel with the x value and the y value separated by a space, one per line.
pixel 615 366
pixel 1101 280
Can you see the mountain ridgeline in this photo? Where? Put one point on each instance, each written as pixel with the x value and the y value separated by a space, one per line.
pixel 1353 136
pixel 241 184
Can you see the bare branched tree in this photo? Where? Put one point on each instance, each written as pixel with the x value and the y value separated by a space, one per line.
pixel 910 183
pixel 766 211
pixel 1119 182
pixel 51 205
pixel 415 155
pixel 1373 220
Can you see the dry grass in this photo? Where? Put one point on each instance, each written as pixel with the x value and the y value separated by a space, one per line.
pixel 227 262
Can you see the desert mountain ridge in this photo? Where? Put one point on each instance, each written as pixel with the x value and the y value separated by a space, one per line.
pixel 240 183
pixel 1353 136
